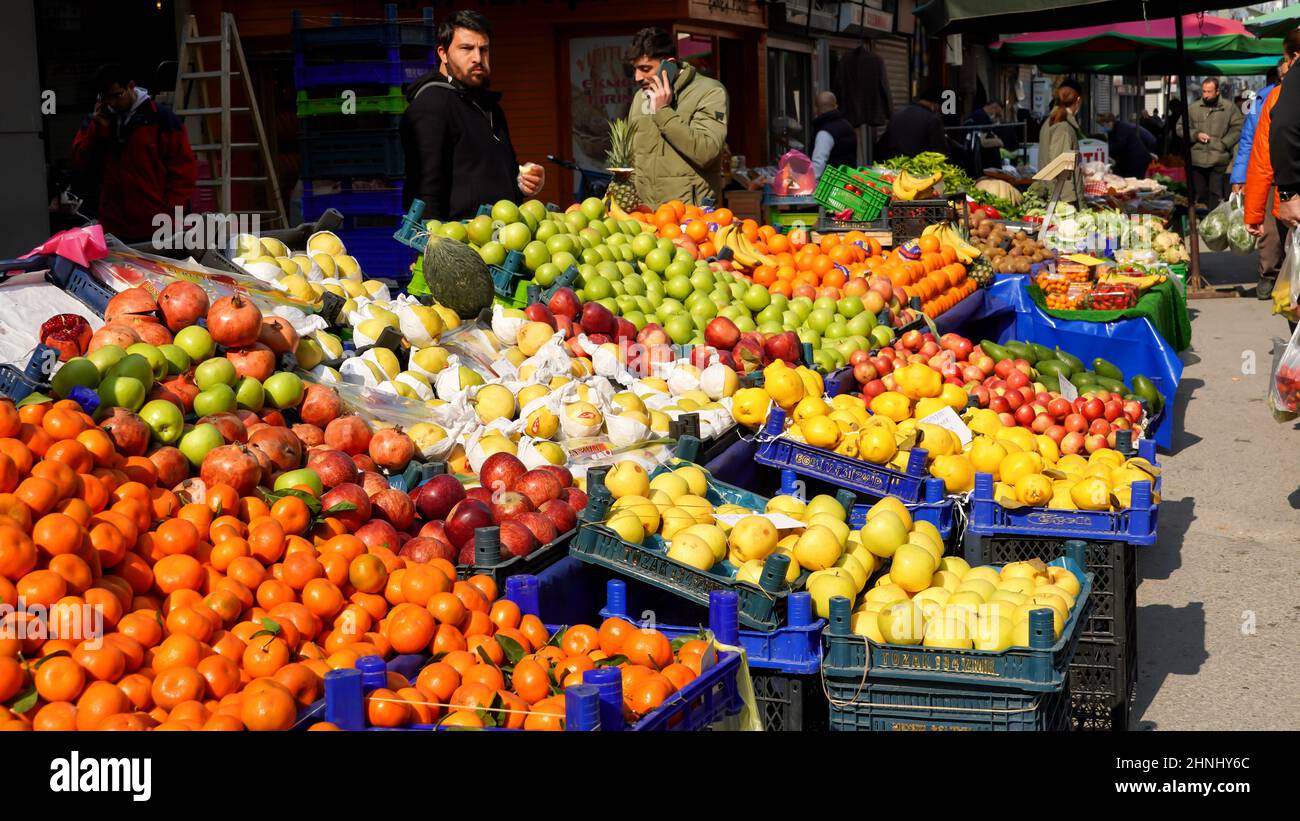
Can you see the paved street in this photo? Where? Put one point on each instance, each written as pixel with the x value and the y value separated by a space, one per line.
pixel 1218 610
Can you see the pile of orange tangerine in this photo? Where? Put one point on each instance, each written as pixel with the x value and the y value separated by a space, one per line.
pixel 128 607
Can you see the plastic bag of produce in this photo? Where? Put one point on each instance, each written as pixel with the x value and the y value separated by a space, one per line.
pixel 1284 388
pixel 1286 291
pixel 1239 239
pixel 1214 228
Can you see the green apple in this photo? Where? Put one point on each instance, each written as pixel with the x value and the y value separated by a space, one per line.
pixel 756 297
pixel 249 394
pixel 454 230
pixel 576 221
pixel 164 419
pixel 634 285
pixel 642 245
pixel 199 441
pixel 826 361
pixel 564 260
pixel 535 254
pixel 593 208
pixel 178 361
pixel 284 389
pixel 769 314
pixel 850 306
pixel 109 355
pixel 659 260
pixel 534 208
pixel 808 335
pixel 701 280
pixel 302 476
pixel 819 320
pixel 479 230
pixel 220 398
pixel 705 309
pixel 862 324
pixel 882 335
pixel 157 362
pixel 560 242
pixel 626 304
pixel 492 253
pixel 609 303
pixel 215 371
pixel 679 287
pixel 637 318
pixel 746 324
pixel 790 320
pixel 834 331
pixel 134 365
pixel 546 230
pixel 827 303
pixel 506 211
pixel 76 372
pixel 845 347
pixel 780 301
pixel 546 274
pixel 644 305
pixel 771 327
pixel 515 236
pixel 680 328
pixel 196 342
pixel 122 392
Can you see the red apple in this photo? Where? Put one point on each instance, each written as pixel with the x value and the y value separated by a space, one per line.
pixel 542 528
pixel 540 486
pixel 863 372
pixel 873 389
pixel 1094 442
pixel 999 404
pixel 1072 442
pixel 970 373
pixel 1058 408
pixel 516 539
pixel 721 333
pixel 1008 421
pixel 1075 423
pixel 537 312
pixel 1041 423
pixel 1056 433
pixel 653 334
pixel 372 482
pixel 911 340
pixel 559 472
pixel 562 514
pixel 985 364
pixel 1093 409
pixel 500 471
pixel 1122 423
pixel 1132 410
pixel 424 549
pixel 378 533
pixel 348 493
pixel 395 507
pixel 435 530
pixel 464 519
pixel 1025 415
pixel 564 302
pixel 483 494
pixel 334 467
pixel 510 504
pixel 1099 427
pixel 1113 409
pixel 435 498
pixel 1004 368
pixel 575 498
pixel 1014 399
pixel 858 357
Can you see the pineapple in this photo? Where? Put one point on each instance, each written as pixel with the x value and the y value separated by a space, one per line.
pixel 982 272
pixel 622 190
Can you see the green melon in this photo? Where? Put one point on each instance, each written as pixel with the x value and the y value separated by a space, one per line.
pixel 457 277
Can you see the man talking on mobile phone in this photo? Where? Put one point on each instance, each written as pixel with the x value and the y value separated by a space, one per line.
pixel 678 121
pixel 454 133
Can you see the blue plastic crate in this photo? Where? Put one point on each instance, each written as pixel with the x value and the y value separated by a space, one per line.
pixel 388 73
pixel 709 698
pixel 761 608
pixel 388 33
pixel 68 277
pixel 15 385
pixel 376 152
pixel 1134 525
pixel 874 707
pixel 795 648
pixel 842 471
pixel 379 254
pixel 1041 668
pixel 385 202
pixel 841 381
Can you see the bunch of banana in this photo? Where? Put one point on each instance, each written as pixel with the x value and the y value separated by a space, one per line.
pixel 908 187
pixel 743 251
pixel 947 235
pixel 615 210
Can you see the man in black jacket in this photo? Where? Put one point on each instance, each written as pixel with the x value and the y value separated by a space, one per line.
pixel 1131 146
pixel 834 141
pixel 454 133
pixel 916 128
pixel 1284 149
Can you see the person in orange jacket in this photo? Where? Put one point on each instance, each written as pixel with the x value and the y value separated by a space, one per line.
pixel 1259 173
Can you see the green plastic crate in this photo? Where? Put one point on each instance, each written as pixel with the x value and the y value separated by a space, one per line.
pixel 392 102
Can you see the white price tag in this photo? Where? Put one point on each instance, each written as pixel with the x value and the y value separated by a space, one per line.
pixel 948 418
pixel 1068 391
pixel 779 520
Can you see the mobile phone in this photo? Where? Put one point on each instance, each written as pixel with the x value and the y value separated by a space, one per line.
pixel 669 70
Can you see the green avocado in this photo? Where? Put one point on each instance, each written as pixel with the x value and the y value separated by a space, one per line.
pixel 1050 380
pixel 1055 367
pixel 995 351
pixel 1144 388
pixel 1073 361
pixel 1043 351
pixel 1106 369
pixel 1113 385
pixel 1084 378
pixel 1022 351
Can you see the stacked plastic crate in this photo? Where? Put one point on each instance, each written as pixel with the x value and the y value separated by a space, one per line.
pixel 350 102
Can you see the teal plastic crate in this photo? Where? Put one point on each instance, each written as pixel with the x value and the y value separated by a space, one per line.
pixel 872 707
pixel 1043 667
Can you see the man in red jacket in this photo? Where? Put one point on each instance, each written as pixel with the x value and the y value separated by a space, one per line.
pixel 142 153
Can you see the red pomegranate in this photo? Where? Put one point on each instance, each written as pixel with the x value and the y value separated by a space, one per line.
pixel 256 360
pixel 182 386
pixel 128 431
pixel 148 329
pixel 234 465
pixel 372 482
pixel 182 303
pixel 264 462
pixel 364 462
pixel 320 405
pixel 234 321
pixel 69 334
pixel 424 549
pixel 391 449
pixel 114 333
pixel 231 426
pixel 130 301
pixel 395 507
pixel 280 445
pixel 309 435
pixel 171 464
pixel 349 434
pixel 278 335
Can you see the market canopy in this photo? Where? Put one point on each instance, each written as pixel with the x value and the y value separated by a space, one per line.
pixel 1165 65
pixel 1150 45
pixel 1275 23
pixel 998 16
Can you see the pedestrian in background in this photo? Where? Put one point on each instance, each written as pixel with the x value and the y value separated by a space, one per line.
pixel 1215 126
pixel 1270 243
pixel 834 141
pixel 1061 134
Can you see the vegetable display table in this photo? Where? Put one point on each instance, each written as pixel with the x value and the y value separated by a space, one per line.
pixel 1164 305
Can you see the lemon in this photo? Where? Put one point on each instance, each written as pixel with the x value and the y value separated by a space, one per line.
pixel 1034 489
pixel 821 432
pixel 809 407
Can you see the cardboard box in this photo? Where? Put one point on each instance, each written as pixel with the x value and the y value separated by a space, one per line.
pixel 745 204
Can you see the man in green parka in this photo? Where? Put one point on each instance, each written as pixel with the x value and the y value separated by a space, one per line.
pixel 678 121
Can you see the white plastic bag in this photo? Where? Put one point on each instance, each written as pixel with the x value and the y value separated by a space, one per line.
pixel 1214 228
pixel 1240 240
pixel 1284 387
